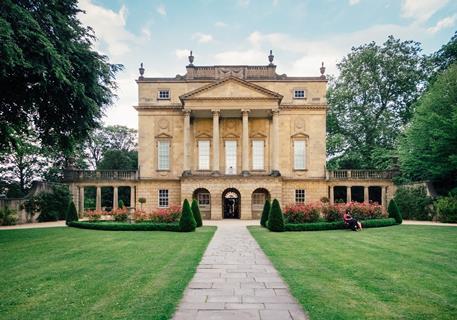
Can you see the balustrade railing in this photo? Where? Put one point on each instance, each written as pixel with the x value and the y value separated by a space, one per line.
pixel 83 175
pixel 359 174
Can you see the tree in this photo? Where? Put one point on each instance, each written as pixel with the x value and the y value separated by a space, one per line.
pixel 429 149
pixel 394 211
pixel 187 221
pixel 265 213
pixel 71 214
pixel 196 212
pixel 52 81
pixel 371 101
pixel 447 55
pixel 119 160
pixel 275 218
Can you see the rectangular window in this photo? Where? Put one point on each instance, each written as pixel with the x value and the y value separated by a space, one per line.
pixel 300 196
pixel 258 200
pixel 203 200
pixel 299 94
pixel 230 157
pixel 164 94
pixel 299 155
pixel 163 198
pixel 163 155
pixel 203 155
pixel 257 154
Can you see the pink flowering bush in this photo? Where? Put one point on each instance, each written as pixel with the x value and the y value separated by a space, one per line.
pixel 140 215
pixel 120 214
pixel 167 215
pixel 333 212
pixel 94 215
pixel 302 213
pixel 365 211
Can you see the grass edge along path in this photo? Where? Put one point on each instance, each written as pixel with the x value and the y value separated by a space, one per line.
pixel 69 273
pixel 399 272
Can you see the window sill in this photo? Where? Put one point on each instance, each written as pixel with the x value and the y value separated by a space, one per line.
pixel 300 170
pixel 259 170
pixel 163 170
pixel 295 98
pixel 163 99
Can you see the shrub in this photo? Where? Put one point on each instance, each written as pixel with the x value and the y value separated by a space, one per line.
pixel 446 209
pixel 187 222
pixel 302 213
pixel 196 212
pixel 121 204
pixel 71 214
pixel 52 205
pixel 265 213
pixel 324 200
pixel 120 214
pixel 166 215
pixel 319 226
pixel 123 226
pixel 141 201
pixel 414 204
pixel 365 211
pixel 275 218
pixel 94 215
pixel 8 217
pixel 394 212
pixel 333 212
pixel 140 215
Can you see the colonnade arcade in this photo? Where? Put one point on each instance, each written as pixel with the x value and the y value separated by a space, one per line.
pixel 358 192
pixel 105 196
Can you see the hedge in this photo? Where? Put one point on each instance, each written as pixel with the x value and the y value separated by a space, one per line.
pixel 317 226
pixel 123 226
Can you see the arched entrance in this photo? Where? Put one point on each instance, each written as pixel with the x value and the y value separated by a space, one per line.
pixel 203 198
pixel 231 204
pixel 259 196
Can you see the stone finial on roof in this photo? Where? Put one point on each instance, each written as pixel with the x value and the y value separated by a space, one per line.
pixel 271 57
pixel 141 69
pixel 322 70
pixel 191 59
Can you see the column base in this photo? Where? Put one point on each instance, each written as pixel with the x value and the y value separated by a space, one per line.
pixel 245 173
pixel 275 173
pixel 215 173
pixel 186 173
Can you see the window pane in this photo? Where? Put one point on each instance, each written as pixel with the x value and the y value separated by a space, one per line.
pixel 164 94
pixel 257 154
pixel 203 200
pixel 299 154
pixel 203 155
pixel 164 155
pixel 258 199
pixel 299 196
pixel 163 198
pixel 299 94
pixel 230 157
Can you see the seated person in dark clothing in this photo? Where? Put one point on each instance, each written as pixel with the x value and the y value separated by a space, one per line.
pixel 351 222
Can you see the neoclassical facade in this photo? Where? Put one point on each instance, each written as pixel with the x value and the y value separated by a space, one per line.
pixel 231 137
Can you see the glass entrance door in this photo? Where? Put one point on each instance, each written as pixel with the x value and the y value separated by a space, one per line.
pixel 230 157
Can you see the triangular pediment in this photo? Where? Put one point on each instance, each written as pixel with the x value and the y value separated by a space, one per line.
pixel 258 135
pixel 203 135
pixel 299 135
pixel 163 136
pixel 231 88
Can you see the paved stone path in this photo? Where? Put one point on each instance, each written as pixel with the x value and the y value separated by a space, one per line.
pixel 235 280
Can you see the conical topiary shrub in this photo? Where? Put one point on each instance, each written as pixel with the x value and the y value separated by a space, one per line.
pixel 265 213
pixel 394 211
pixel 71 214
pixel 275 218
pixel 187 222
pixel 121 204
pixel 196 212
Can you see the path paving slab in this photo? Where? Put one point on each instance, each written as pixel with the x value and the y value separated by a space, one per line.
pixel 236 281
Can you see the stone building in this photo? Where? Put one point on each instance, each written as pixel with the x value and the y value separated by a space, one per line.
pixel 231 137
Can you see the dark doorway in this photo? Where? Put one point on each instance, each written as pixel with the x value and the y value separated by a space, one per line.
pixel 340 194
pixel 357 194
pixel 375 195
pixel 231 204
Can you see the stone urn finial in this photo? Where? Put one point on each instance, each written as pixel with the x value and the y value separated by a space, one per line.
pixel 271 57
pixel 141 69
pixel 322 70
pixel 191 59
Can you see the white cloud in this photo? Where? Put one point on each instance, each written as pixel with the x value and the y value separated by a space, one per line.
pixel 444 23
pixel 202 37
pixel 182 53
pixel 353 2
pixel 243 3
pixel 161 10
pixel 421 10
pixel 275 3
pixel 220 24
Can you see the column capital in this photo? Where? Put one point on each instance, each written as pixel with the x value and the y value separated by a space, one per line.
pixel 216 112
pixel 245 111
pixel 187 112
pixel 275 112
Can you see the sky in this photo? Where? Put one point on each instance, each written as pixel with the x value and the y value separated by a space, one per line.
pixel 302 34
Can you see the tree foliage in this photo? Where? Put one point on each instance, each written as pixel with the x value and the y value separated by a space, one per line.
pixel 429 148
pixel 187 222
pixel 119 160
pixel 276 218
pixel 52 81
pixel 394 211
pixel 265 213
pixel 196 212
pixel 447 55
pixel 371 101
pixel 71 214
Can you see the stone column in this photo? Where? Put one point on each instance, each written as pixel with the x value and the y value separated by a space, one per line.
pixel 186 158
pixel 98 199
pixel 332 196
pixel 245 141
pixel 216 167
pixel 348 194
pixel 383 197
pixel 81 201
pixel 275 141
pixel 365 194
pixel 115 198
pixel 132 197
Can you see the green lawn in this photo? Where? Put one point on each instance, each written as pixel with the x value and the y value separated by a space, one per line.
pixel 67 273
pixel 400 272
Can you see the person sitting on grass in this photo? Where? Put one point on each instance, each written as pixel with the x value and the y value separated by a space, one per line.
pixel 351 222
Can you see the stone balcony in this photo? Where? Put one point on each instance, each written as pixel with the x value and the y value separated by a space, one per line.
pixel 360 174
pixel 76 175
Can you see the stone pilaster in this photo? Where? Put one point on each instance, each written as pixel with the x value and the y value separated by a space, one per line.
pixel 348 194
pixel 245 144
pixel 275 141
pixel 115 197
pixel 216 166
pixel 186 134
pixel 98 199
